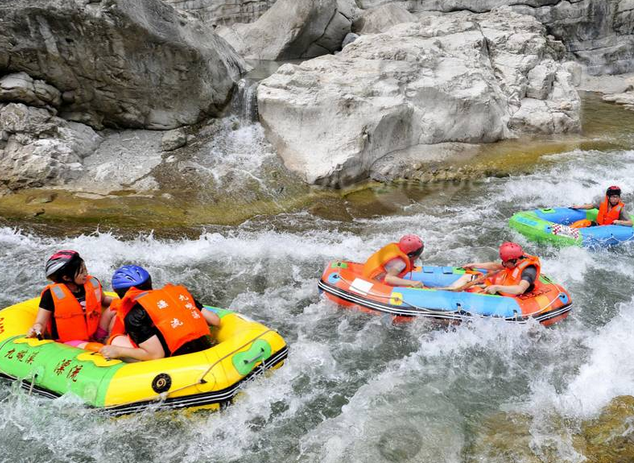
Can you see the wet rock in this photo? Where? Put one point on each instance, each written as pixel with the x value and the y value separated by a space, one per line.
pixel 20 87
pixel 382 18
pixel 123 161
pixel 455 78
pixel 173 139
pixel 610 437
pixel 119 63
pixel 293 29
pixel 626 98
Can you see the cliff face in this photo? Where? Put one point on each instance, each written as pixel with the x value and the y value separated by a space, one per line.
pixel 225 12
pixel 596 33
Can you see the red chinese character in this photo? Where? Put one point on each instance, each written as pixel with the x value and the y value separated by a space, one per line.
pixel 1 325
pixel 72 374
pixel 20 355
pixel 31 358
pixel 61 366
pixel 10 354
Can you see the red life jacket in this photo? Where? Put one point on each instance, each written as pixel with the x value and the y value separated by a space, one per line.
pixel 172 309
pixel 375 265
pixel 607 217
pixel 513 276
pixel 73 323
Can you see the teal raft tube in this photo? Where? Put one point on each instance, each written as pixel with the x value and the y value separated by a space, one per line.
pixel 553 226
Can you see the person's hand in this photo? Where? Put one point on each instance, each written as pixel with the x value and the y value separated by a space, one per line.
pixel 109 352
pixel 469 266
pixel 417 284
pixel 34 331
pixel 492 289
pixel 618 222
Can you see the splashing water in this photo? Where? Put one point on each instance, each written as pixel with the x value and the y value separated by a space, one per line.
pixel 355 386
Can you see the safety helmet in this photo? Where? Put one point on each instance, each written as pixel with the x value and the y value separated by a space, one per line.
pixel 613 190
pixel 128 276
pixel 59 260
pixel 509 251
pixel 411 245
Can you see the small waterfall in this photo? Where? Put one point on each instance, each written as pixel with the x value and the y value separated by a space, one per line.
pixel 244 103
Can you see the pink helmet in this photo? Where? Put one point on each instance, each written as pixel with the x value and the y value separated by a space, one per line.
pixel 411 244
pixel 613 190
pixel 59 260
pixel 510 251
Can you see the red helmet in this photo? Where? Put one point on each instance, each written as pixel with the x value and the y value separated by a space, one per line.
pixel 510 251
pixel 613 190
pixel 59 260
pixel 411 244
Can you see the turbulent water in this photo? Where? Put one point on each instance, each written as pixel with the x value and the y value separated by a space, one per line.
pixel 357 387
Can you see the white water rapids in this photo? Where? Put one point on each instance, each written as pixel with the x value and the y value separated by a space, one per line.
pixel 356 387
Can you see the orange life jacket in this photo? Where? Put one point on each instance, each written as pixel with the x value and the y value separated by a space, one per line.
pixel 513 276
pixel 605 216
pixel 172 309
pixel 71 320
pixel 375 265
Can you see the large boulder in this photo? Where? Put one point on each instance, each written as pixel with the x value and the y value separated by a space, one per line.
pixel 40 149
pixel 119 63
pixel 382 18
pixel 455 78
pixel 293 29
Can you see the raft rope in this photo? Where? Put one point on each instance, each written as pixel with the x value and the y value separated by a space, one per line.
pixel 164 395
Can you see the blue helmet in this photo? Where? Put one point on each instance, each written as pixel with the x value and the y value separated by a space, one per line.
pixel 129 276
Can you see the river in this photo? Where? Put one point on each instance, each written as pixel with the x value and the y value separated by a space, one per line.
pixel 357 387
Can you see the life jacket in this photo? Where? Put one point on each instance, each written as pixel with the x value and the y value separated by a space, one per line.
pixel 513 276
pixel 605 216
pixel 375 265
pixel 71 320
pixel 172 309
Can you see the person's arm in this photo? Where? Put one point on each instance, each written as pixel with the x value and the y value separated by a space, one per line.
pixel 583 206
pixel 483 265
pixel 106 301
pixel 147 350
pixel 211 317
pixel 393 280
pixel 516 290
pixel 41 322
pixel 624 219
pixel 392 270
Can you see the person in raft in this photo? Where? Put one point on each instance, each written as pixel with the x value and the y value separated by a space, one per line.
pixel 73 309
pixel 392 262
pixel 516 275
pixel 611 211
pixel 155 323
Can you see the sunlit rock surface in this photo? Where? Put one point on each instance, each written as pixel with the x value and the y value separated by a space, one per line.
pixel 293 29
pixel 454 78
pixel 117 63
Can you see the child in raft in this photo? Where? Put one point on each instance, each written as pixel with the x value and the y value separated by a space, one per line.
pixel 73 308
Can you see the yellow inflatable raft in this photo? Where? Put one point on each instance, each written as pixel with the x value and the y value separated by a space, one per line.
pixel 207 379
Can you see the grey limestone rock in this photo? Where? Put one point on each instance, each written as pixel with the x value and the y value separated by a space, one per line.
pixel 293 29
pixel 119 63
pixel 465 78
